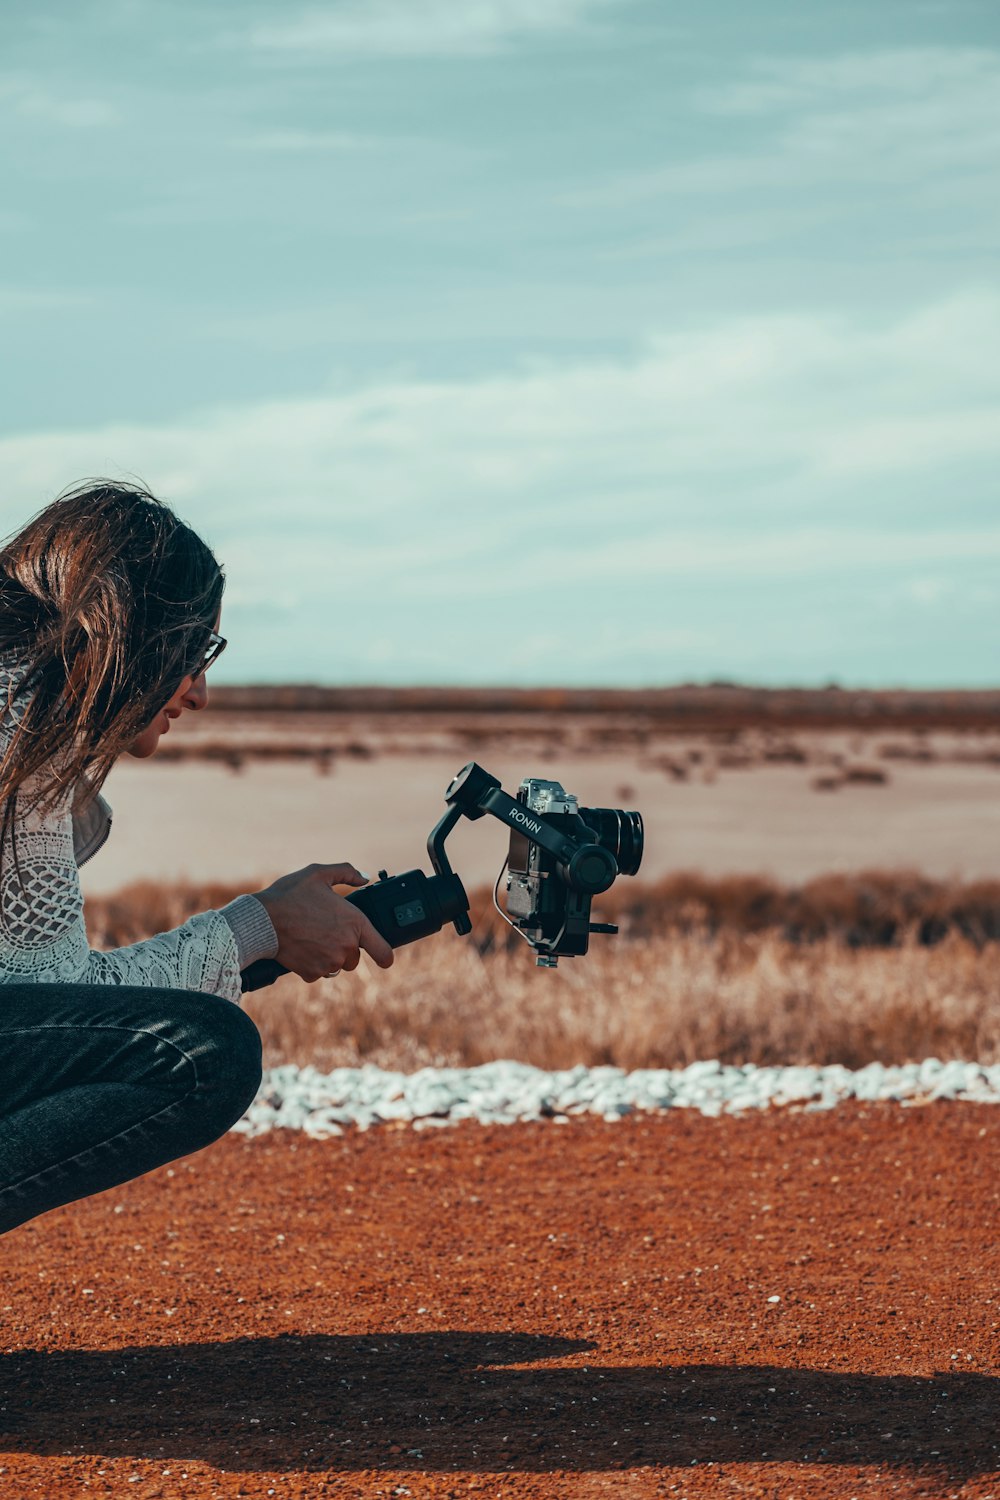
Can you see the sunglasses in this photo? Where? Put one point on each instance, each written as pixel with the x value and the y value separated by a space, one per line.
pixel 214 647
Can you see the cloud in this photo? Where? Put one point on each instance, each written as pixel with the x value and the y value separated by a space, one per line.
pixel 774 454
pixel 775 84
pixel 27 98
pixel 423 28
pixel 928 591
pixel 795 403
pixel 302 141
pixel 890 117
pixel 15 301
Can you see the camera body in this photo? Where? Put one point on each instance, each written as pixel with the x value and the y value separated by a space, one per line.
pixel 560 856
pixel 551 909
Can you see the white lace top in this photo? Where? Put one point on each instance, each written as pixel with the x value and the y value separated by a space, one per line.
pixel 42 934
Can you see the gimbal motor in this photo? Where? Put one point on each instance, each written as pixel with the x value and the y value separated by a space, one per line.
pixel 559 858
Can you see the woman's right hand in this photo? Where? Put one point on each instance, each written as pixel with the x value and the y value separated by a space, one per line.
pixel 318 931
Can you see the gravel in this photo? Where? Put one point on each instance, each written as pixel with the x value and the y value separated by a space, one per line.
pixel 502 1093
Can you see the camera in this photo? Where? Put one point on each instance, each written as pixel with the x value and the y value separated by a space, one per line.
pixel 549 902
pixel 560 856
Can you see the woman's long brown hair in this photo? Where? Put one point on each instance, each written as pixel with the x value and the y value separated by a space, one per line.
pixel 106 602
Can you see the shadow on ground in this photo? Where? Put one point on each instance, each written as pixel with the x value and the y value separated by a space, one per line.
pixel 451 1401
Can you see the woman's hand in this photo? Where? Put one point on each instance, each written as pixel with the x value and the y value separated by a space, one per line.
pixel 318 931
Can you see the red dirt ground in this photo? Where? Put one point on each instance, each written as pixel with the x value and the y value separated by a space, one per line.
pixel 538 1310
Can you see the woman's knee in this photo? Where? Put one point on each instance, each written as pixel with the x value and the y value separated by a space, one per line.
pixel 226 1054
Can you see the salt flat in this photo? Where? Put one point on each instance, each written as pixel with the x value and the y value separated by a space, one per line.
pixel 197 820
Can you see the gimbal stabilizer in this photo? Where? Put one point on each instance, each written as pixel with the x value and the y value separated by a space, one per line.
pixel 560 857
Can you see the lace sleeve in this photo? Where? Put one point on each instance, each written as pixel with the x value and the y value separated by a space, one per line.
pixel 201 955
pixel 43 938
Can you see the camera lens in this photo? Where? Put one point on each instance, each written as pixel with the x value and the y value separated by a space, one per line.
pixel 619 831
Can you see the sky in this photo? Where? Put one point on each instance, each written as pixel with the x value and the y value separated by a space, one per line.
pixel 615 342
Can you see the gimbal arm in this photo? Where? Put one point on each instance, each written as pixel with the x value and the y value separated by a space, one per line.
pixel 585 864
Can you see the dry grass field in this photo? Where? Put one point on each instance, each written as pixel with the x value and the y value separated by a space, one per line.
pixel 882 966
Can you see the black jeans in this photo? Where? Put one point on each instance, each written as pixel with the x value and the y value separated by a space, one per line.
pixel 99 1084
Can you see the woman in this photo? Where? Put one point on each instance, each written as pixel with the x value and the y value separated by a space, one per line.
pixel 113 1063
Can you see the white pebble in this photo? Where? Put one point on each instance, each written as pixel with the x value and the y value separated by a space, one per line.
pixel 504 1092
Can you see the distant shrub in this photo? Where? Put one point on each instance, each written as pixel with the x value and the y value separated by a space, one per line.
pixel 915 750
pixel 785 755
pixel 864 775
pixel 872 908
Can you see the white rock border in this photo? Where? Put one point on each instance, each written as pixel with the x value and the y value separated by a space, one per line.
pixel 503 1093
